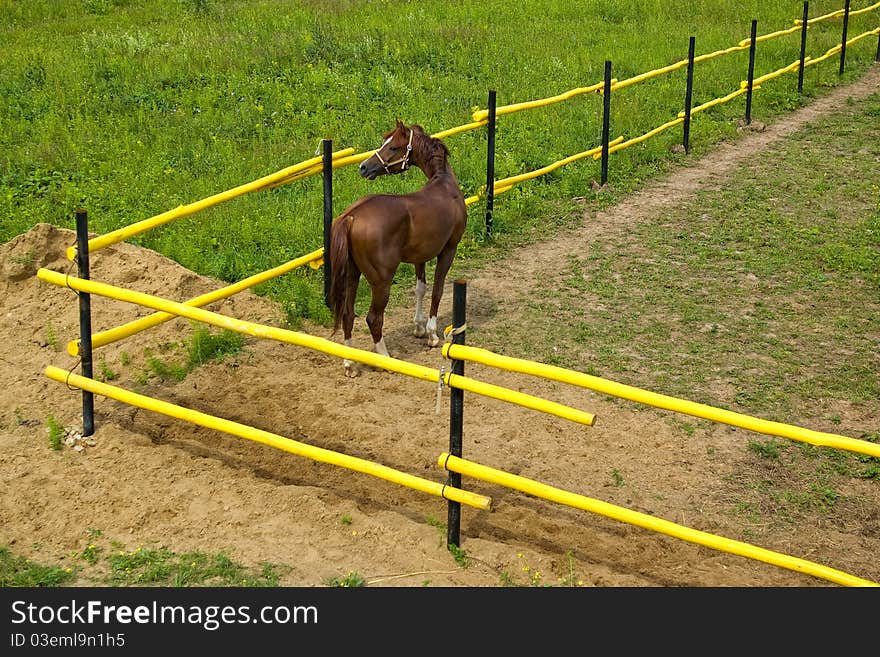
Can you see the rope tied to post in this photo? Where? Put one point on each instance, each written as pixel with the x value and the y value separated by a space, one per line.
pixel 439 389
pixel 448 477
pixel 70 371
pixel 67 275
pixel 449 331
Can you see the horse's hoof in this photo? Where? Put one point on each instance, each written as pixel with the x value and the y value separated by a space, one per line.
pixel 419 331
pixel 433 341
pixel 351 372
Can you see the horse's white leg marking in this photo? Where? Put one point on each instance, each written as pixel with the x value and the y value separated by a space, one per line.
pixel 380 347
pixel 350 367
pixel 431 331
pixel 419 317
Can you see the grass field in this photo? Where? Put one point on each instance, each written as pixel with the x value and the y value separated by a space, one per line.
pixel 128 109
pixel 763 293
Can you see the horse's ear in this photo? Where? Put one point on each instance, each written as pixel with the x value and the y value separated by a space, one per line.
pixel 399 123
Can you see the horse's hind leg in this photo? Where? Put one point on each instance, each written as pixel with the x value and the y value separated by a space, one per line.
pixel 444 262
pixel 351 283
pixel 376 315
pixel 421 288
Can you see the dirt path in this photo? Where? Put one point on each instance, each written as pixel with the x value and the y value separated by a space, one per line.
pixel 152 481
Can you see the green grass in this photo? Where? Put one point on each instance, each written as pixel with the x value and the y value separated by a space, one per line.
pixel 106 563
pixel 56 433
pixel 18 571
pixel 458 553
pixel 790 482
pixel 52 337
pixel 162 567
pixel 768 449
pixel 129 109
pixel 177 359
pixel 206 345
pixel 766 290
pixel 166 371
pixel 350 580
pixel 106 373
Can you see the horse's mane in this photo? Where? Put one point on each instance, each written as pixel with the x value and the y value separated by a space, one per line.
pixel 433 146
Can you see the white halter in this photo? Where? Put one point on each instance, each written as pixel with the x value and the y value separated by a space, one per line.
pixel 404 159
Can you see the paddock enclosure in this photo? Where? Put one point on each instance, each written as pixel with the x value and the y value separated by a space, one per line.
pixel 522 424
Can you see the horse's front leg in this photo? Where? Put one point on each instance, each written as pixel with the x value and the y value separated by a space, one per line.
pixel 444 262
pixel 421 288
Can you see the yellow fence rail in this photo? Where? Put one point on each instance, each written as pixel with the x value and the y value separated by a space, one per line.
pixel 631 393
pixel 480 118
pixel 318 344
pixel 619 84
pixel 295 171
pixel 620 143
pixel 505 184
pixel 836 49
pixel 125 330
pixel 838 13
pixel 266 438
pixel 543 491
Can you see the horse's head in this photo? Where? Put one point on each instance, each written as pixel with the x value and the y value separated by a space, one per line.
pixel 393 156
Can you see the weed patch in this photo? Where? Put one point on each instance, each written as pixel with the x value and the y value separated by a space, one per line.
pixel 56 433
pixel 18 571
pixel 103 562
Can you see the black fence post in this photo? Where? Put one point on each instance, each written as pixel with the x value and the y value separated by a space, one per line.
pixel 606 120
pixel 490 163
pixel 456 409
pixel 328 213
pixel 752 48
pixel 688 96
pixel 843 38
pixel 877 56
pixel 85 320
pixel 803 47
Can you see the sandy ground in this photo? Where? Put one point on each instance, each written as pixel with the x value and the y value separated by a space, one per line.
pixel 150 480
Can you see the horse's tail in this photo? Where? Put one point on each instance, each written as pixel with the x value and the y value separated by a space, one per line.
pixel 340 261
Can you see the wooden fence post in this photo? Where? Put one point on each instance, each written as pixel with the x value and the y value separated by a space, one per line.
pixel 688 96
pixel 490 163
pixel 456 409
pixel 85 320
pixel 752 48
pixel 843 38
pixel 606 120
pixel 328 213
pixel 800 86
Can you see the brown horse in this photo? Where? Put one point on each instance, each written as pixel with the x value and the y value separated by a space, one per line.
pixel 378 232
